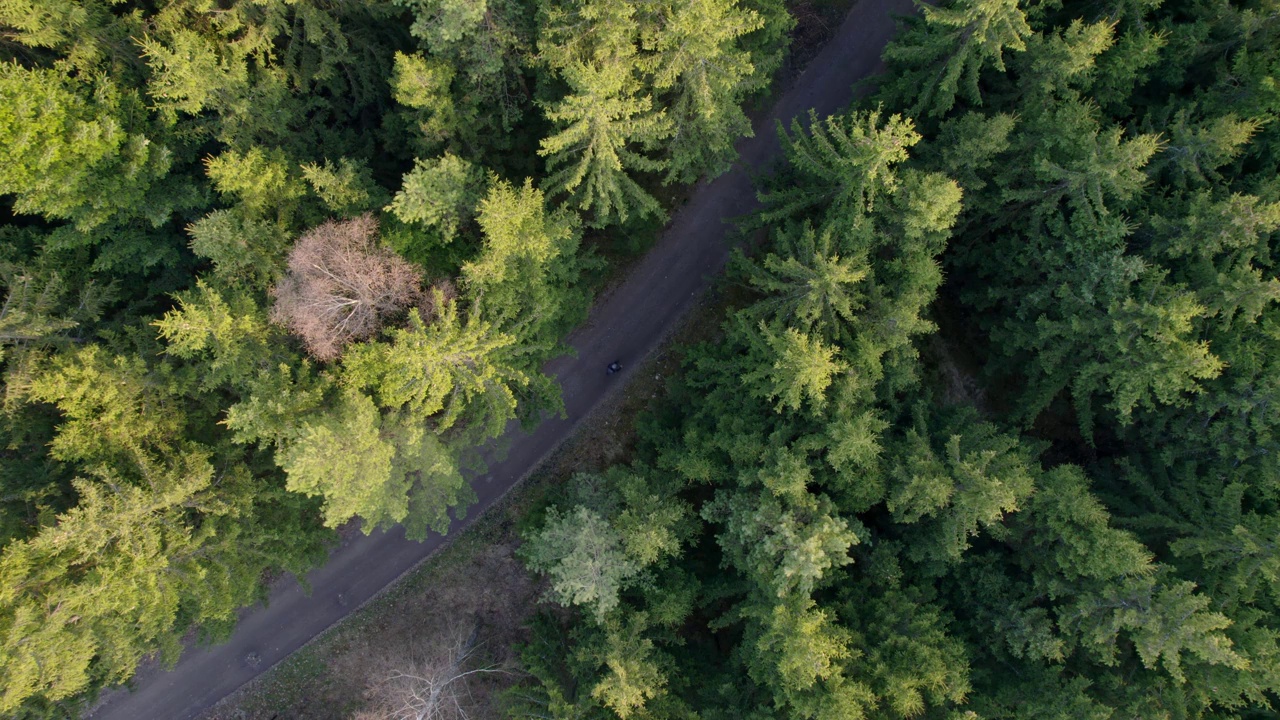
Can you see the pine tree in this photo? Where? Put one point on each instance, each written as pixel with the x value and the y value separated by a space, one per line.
pixel 963 483
pixel 807 282
pixel 242 247
pixel 795 369
pixel 1235 550
pixel 346 188
pixel 904 649
pixel 634 676
pixel 423 86
pixel 526 277
pixel 31 314
pixel 480 48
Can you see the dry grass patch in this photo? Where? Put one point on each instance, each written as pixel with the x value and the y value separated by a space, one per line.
pixel 476 588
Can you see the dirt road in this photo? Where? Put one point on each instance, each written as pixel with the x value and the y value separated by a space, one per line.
pixel 626 325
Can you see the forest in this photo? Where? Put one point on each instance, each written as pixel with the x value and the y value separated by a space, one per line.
pixel 273 266
pixel 989 429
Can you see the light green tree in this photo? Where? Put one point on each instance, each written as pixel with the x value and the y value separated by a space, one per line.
pixel 159 541
pixel 619 524
pixel 794 368
pixel 633 675
pixel 67 152
pixel 440 193
pixel 346 187
pixel 842 165
pixel 242 247
pixel 192 71
pixel 385 469
pixel 584 557
pixel 605 128
pixel 91 596
pixel 694 55
pixel 456 370
pixel 261 180
pixel 797 652
pixel 785 546
pixel 769 44
pixel 114 409
pixel 595 33
pixel 341 454
pixel 423 86
pixel 227 328
pixel 525 279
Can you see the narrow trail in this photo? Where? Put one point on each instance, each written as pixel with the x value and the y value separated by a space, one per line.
pixel 627 325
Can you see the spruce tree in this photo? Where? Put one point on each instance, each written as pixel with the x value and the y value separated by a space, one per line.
pixel 943 55
pixel 606 127
pixel 694 56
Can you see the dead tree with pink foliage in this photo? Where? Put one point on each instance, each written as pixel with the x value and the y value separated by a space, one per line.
pixel 341 286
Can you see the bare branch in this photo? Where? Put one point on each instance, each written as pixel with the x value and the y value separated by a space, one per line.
pixel 341 286
pixel 431 686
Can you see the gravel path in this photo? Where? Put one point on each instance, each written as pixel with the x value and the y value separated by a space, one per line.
pixel 626 325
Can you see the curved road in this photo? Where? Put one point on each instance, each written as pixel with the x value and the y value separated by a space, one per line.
pixel 627 324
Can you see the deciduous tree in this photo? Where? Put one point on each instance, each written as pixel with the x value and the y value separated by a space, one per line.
pixel 341 286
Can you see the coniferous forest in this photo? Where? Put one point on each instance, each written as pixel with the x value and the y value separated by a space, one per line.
pixel 990 427
pixel 270 266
